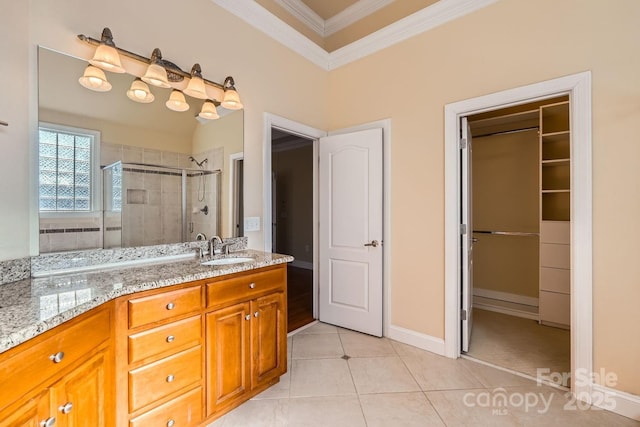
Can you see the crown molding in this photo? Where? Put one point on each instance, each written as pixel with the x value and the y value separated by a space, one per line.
pixel 352 14
pixel 428 18
pixel 258 17
pixel 305 14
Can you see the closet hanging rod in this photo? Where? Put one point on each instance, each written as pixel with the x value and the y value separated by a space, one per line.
pixel 508 233
pixel 504 132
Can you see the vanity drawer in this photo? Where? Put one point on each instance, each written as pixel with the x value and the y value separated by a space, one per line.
pixel 164 338
pixel 165 305
pixel 245 287
pixel 555 308
pixel 154 381
pixel 185 410
pixel 31 364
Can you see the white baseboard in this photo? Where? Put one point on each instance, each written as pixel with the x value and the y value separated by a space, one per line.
pixel 622 403
pixel 302 264
pixel 416 339
pixel 505 296
pixel 508 308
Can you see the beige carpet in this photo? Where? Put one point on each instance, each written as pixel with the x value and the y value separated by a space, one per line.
pixel 519 344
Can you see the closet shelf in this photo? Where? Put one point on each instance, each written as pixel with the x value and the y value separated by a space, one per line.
pixel 550 135
pixel 555 161
pixel 556 191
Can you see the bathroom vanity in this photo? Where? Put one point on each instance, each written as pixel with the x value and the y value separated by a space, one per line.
pixel 170 344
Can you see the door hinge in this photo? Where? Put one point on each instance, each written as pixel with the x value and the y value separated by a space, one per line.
pixel 463 229
pixel 463 143
pixel 463 314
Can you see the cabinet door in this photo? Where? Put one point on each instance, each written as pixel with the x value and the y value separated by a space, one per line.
pixel 228 355
pixel 34 413
pixel 268 334
pixel 82 398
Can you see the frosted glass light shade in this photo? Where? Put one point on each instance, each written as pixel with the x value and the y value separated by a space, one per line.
pixel 156 75
pixel 94 79
pixel 107 58
pixel 209 111
pixel 196 88
pixel 231 100
pixel 139 92
pixel 177 102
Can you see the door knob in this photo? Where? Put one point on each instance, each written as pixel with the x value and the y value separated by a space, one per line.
pixel 373 243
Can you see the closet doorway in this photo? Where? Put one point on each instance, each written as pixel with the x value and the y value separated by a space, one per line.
pixel 292 219
pixel 520 182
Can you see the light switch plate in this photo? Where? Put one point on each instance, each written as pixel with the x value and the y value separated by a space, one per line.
pixel 252 223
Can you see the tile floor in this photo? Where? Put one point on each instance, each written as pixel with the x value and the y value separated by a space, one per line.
pixel 340 378
pixel 519 344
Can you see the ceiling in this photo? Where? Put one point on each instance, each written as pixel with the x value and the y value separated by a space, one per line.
pixel 333 24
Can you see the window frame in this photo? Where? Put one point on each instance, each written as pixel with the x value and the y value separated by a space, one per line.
pixel 95 197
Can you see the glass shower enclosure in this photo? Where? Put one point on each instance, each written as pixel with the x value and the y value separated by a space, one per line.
pixel 145 204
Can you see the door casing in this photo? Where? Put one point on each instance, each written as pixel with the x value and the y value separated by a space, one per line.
pixel 578 87
pixel 290 126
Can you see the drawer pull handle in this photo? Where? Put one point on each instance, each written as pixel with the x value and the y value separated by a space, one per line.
pixel 170 338
pixel 256 314
pixel 66 408
pixel 247 317
pixel 171 423
pixel 170 378
pixel 252 286
pixel 57 358
pixel 49 422
pixel 171 306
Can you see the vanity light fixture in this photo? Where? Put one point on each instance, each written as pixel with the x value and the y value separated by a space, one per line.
pixel 106 55
pixel 140 92
pixel 196 88
pixel 231 100
pixel 177 102
pixel 158 72
pixel 209 111
pixel 94 79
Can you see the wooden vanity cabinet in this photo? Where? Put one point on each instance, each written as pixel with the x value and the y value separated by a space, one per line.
pixel 62 377
pixel 246 337
pixel 160 357
pixel 189 353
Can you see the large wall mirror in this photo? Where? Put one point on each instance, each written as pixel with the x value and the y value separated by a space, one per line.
pixel 117 173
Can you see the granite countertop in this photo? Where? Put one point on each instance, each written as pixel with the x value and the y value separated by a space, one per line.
pixel 30 307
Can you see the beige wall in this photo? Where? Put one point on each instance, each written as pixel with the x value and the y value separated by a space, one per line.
pixel 505 198
pixel 508 44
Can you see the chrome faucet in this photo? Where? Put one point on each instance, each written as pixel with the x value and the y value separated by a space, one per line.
pixel 212 244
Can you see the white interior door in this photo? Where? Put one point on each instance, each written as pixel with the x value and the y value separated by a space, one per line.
pixel 466 233
pixel 350 250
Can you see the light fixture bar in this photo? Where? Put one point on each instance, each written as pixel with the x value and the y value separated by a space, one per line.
pixel 171 67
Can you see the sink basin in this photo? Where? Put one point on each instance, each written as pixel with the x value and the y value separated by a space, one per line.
pixel 228 261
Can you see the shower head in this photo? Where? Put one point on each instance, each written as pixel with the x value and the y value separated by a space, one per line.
pixel 197 162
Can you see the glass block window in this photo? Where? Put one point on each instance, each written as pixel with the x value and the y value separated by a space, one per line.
pixel 66 173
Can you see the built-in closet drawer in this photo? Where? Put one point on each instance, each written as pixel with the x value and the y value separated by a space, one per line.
pixel 555 256
pixel 555 308
pixel 555 232
pixel 555 280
